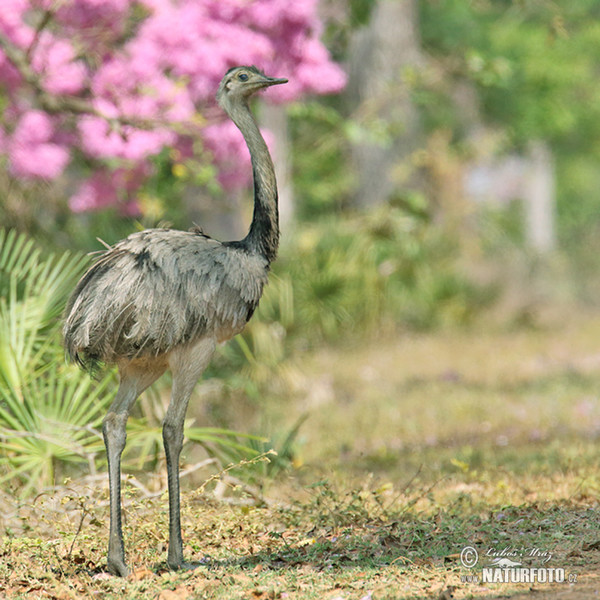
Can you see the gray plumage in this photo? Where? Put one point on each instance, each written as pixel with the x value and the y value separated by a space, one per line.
pixel 162 299
pixel 158 289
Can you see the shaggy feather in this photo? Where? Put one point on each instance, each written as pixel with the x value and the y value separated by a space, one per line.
pixel 158 289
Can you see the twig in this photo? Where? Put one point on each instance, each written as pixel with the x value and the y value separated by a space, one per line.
pixel 58 560
pixel 50 103
pixel 251 490
pixel 38 30
pixel 148 494
pixel 84 513
pixel 404 489
pixel 105 244
pixel 412 502
pixel 241 501
pixel 264 456
pixel 61 104
pixel 200 465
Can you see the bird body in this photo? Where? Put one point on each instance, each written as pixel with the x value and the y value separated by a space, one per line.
pixel 162 299
pixel 159 289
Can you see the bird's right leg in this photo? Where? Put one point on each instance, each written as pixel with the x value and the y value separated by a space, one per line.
pixel 187 364
pixel 133 383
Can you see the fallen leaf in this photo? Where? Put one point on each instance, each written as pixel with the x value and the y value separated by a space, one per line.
pixel 140 574
pixel 591 545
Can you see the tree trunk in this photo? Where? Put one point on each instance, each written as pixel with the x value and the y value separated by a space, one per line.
pixel 274 119
pixel 382 54
pixel 539 199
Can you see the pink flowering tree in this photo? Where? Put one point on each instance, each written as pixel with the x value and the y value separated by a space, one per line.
pixel 114 82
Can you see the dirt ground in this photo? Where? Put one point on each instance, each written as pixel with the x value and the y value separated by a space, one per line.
pixel 413 449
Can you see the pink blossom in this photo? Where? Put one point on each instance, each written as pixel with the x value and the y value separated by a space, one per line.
pixel 107 188
pixel 96 192
pixel 16 31
pixel 12 23
pixel 32 149
pixel 163 68
pixel 316 72
pixel 83 14
pixel 101 140
pixel 46 161
pixel 96 25
pixel 34 126
pixel 61 72
pixel 227 146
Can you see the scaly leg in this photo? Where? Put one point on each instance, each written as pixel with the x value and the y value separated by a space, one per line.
pixel 186 366
pixel 133 383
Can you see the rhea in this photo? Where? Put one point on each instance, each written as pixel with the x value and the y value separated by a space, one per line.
pixel 162 299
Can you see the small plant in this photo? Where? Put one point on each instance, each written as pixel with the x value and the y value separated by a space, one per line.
pixel 49 412
pixel 50 423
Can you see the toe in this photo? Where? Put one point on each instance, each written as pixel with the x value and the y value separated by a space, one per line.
pixel 117 568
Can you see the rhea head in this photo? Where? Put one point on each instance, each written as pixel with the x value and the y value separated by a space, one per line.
pixel 240 83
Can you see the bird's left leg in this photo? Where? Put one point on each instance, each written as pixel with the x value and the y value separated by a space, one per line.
pixel 133 382
pixel 186 364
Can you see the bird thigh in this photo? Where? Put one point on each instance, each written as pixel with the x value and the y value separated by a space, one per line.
pixel 187 363
pixel 134 379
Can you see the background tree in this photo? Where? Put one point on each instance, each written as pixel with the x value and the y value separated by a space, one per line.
pixel 505 74
pixel 384 54
pixel 109 84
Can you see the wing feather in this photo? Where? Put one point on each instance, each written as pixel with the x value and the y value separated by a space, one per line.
pixel 158 289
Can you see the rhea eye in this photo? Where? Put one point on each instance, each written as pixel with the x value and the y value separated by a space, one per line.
pixel 243 77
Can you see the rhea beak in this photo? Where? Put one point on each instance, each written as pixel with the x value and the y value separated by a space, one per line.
pixel 268 81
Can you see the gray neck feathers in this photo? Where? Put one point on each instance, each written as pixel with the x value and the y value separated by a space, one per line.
pixel 263 237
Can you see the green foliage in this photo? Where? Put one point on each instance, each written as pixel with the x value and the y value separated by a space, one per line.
pixel 32 292
pixel 347 278
pixel 284 446
pixel 229 446
pixel 533 68
pixel 532 63
pixel 51 423
pixel 360 11
pixel 321 179
pixel 48 411
pixel 358 275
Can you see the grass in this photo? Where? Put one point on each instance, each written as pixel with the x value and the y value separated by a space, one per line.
pixel 413 449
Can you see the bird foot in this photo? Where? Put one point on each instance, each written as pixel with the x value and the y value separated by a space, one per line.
pixel 183 565
pixel 117 568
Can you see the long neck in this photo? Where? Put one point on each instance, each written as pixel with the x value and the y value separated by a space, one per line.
pixel 263 237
